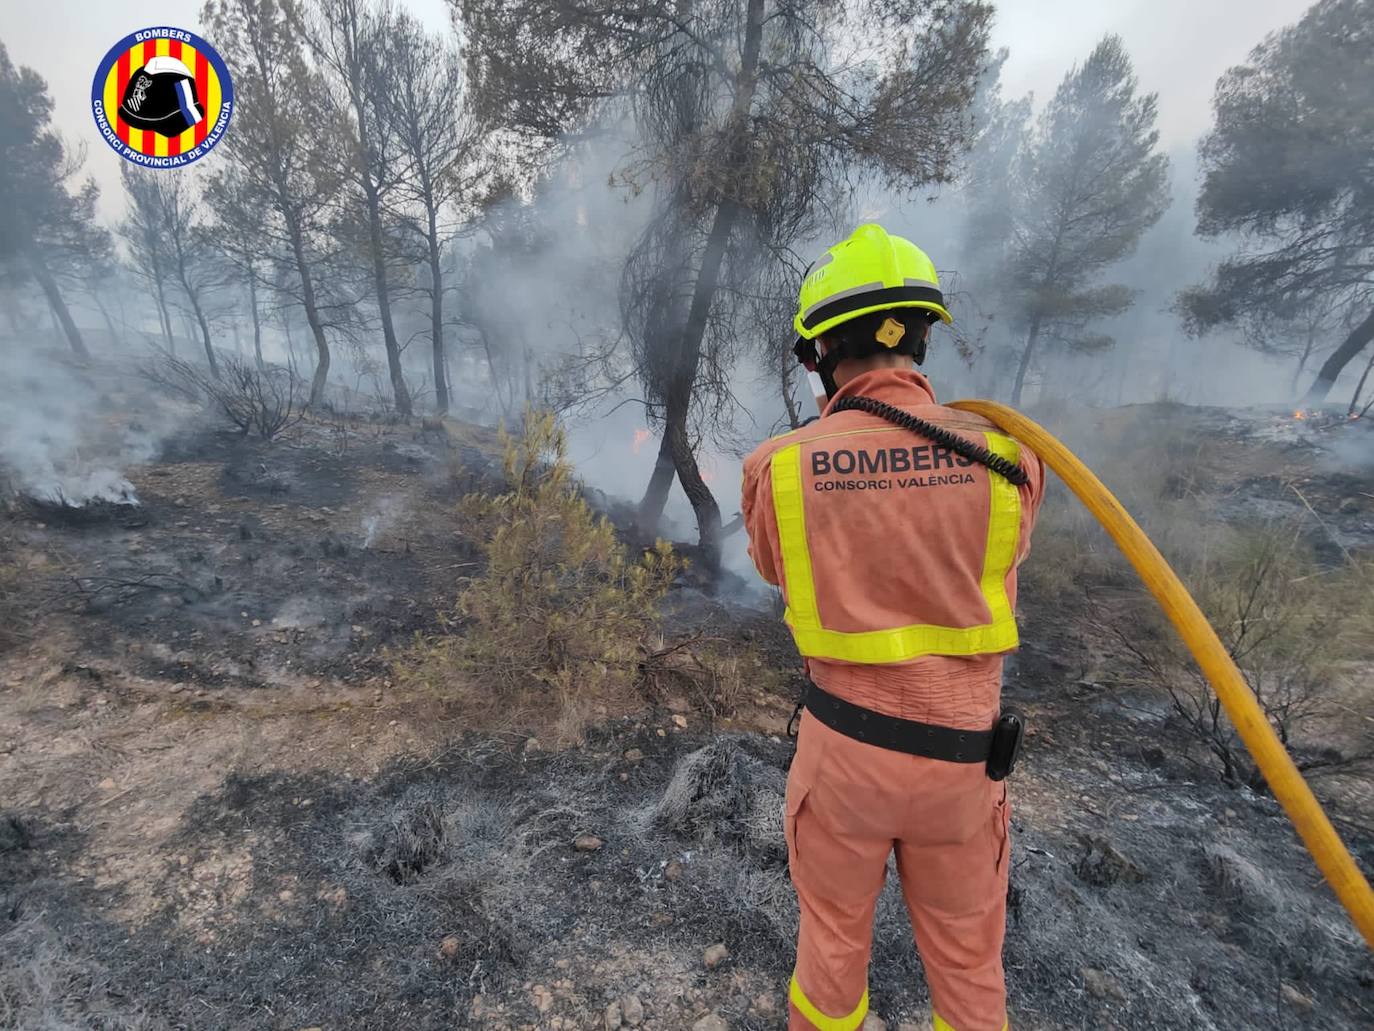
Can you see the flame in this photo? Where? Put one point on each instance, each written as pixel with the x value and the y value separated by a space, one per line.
pixel 1300 414
pixel 641 435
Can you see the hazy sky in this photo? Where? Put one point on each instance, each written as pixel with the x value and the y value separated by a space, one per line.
pixel 1179 46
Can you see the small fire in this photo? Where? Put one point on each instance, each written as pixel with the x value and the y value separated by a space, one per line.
pixel 1300 414
pixel 641 435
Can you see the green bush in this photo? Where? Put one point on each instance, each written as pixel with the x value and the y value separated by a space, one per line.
pixel 562 608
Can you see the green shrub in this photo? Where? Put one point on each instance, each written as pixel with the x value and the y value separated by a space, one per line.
pixel 562 608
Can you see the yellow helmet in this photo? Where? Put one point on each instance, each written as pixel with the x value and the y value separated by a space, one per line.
pixel 868 272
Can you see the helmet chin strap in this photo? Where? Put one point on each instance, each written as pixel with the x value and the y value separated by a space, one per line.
pixel 825 368
pixel 824 365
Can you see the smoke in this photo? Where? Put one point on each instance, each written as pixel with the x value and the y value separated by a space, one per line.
pixel 535 308
pixel 383 515
pixel 68 434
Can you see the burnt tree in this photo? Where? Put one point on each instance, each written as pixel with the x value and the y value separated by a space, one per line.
pixel 46 226
pixel 755 119
pixel 276 145
pixel 447 173
pixel 353 43
pixel 147 250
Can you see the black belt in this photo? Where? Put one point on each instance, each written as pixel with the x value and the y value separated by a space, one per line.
pixel 898 735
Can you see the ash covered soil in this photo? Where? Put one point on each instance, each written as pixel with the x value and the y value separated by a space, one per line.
pixel 217 810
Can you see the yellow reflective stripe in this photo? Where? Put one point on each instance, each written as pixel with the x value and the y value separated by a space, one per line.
pixel 1004 531
pixel 823 1023
pixel 897 644
pixel 941 1025
pixel 903 644
pixel 796 559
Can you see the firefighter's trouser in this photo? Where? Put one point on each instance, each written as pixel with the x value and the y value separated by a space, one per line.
pixel 849 807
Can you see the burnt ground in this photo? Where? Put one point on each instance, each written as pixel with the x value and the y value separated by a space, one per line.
pixel 218 811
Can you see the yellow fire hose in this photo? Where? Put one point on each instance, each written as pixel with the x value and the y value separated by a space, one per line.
pixel 1302 807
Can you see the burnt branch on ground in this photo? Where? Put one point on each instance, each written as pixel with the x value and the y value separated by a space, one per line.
pixel 55 509
pixel 101 592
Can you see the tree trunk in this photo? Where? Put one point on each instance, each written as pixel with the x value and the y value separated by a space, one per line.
pixel 1302 362
pixel 393 349
pixel 656 496
pixel 1330 371
pixel 257 320
pixel 205 339
pixel 436 310
pixel 115 336
pixel 689 475
pixel 496 376
pixel 290 343
pixel 679 400
pixel 58 305
pixel 529 375
pixel 785 373
pixel 164 315
pixel 312 315
pixel 1352 411
pixel 193 296
pixel 1031 337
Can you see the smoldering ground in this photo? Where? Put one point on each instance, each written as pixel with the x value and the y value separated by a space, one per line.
pixel 490 887
pixel 221 810
pixel 68 432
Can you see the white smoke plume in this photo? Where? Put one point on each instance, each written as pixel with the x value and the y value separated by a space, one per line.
pixel 380 518
pixel 69 434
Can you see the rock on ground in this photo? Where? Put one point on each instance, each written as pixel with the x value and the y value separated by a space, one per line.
pixel 715 955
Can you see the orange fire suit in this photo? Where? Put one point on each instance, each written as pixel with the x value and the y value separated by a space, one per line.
pixel 897 559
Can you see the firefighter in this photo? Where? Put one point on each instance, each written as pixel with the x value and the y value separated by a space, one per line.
pixel 894 527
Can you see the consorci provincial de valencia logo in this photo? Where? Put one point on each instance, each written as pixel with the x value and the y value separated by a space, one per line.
pixel 162 97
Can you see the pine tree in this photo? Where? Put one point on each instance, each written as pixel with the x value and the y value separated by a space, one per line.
pixel 1087 185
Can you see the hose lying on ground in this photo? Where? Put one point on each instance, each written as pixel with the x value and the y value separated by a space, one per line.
pixel 1302 807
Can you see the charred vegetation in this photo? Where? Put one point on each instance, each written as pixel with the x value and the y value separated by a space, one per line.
pixel 378 645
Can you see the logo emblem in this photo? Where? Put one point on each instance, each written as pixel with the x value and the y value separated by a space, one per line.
pixel 162 97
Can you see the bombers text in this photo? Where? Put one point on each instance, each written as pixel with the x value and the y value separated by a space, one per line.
pixel 887 463
pixel 920 458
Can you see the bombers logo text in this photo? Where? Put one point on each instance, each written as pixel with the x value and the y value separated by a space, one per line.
pixel 827 465
pixel 162 98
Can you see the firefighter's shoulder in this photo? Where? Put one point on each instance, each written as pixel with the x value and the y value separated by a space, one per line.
pixel 766 450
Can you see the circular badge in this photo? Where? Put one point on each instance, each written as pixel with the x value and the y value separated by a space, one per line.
pixel 162 97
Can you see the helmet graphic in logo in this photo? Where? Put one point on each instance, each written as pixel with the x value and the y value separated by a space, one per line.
pixel 161 96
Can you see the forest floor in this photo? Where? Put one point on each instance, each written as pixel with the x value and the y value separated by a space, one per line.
pixel 218 808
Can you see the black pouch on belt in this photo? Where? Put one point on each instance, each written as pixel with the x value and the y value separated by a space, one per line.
pixel 1005 746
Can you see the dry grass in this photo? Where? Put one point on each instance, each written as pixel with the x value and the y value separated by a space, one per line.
pixel 1295 623
pixel 45 986
pixel 11 608
pixel 702 673
pixel 1290 624
pixel 1165 476
pixel 556 622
